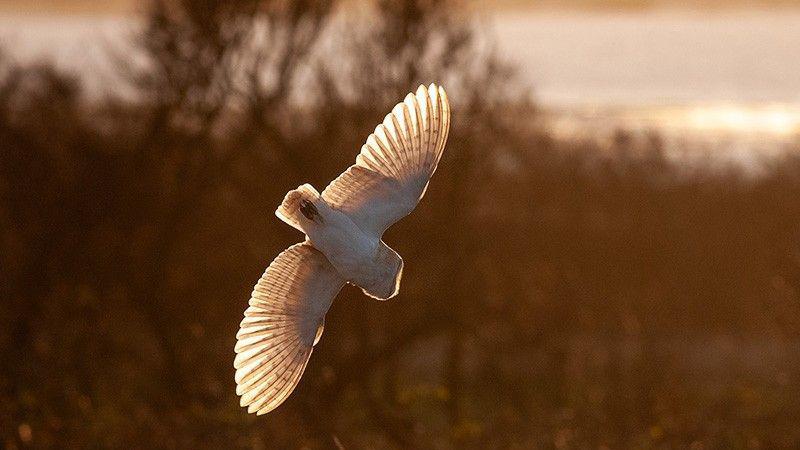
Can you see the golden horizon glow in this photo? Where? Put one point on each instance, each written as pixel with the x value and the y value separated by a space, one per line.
pixel 775 119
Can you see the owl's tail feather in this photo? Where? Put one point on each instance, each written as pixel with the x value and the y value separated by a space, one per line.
pixel 299 207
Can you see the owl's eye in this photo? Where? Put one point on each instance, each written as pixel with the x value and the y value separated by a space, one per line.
pixel 308 209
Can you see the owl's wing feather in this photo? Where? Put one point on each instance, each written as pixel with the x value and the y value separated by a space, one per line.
pixel 281 326
pixel 392 171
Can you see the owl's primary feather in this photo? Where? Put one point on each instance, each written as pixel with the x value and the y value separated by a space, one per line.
pixel 344 226
pixel 281 325
pixel 395 165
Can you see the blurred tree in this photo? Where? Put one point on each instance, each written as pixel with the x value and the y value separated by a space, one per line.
pixel 195 52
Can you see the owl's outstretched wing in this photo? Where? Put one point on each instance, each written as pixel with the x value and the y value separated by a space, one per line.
pixel 395 165
pixel 282 325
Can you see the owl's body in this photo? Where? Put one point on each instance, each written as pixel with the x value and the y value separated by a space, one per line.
pixel 360 257
pixel 343 227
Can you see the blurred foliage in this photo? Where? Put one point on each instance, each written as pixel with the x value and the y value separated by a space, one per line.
pixel 556 295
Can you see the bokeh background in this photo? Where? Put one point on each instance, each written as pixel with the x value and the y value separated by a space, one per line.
pixel 608 256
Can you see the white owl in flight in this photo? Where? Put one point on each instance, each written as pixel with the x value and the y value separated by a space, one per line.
pixel 344 226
